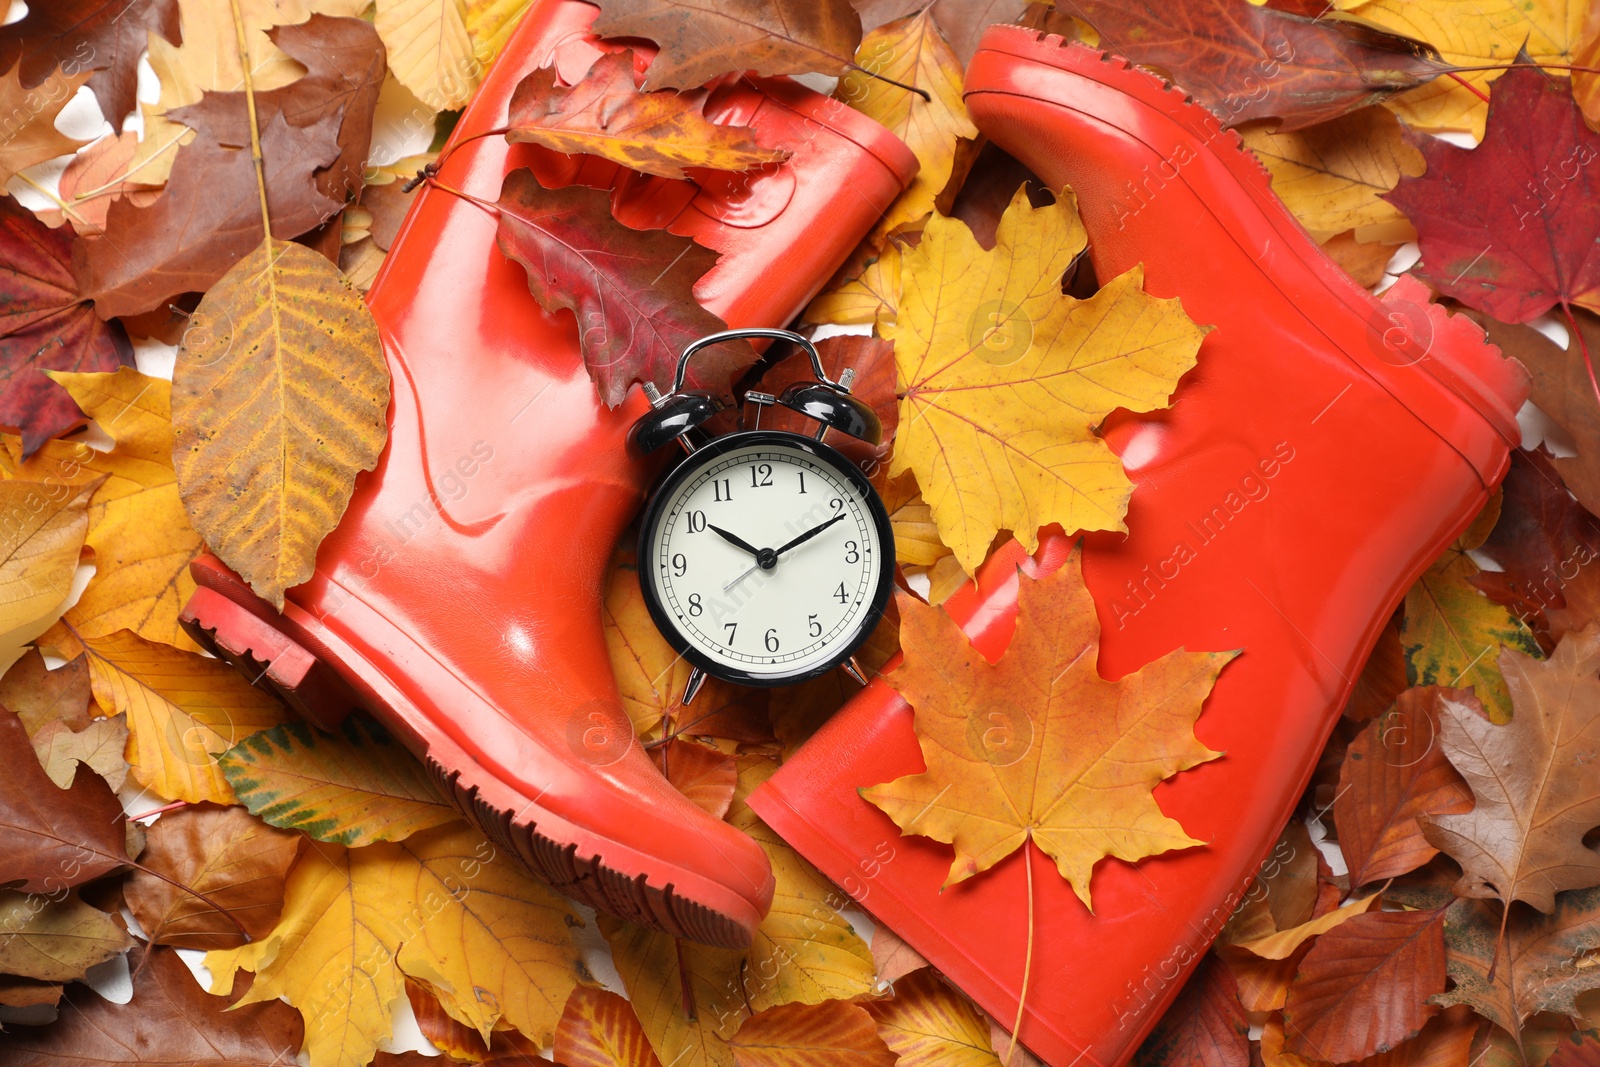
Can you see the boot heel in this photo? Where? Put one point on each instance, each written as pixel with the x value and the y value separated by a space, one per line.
pixel 267 657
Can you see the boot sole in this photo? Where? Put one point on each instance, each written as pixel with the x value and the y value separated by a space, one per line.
pixel 294 656
pixel 1480 379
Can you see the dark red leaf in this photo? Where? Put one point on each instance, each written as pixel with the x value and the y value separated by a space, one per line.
pixel 106 36
pixel 1246 62
pixel 632 291
pixel 1204 1027
pixel 45 325
pixel 1512 227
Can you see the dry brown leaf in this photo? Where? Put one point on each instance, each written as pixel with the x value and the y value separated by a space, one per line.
pixel 30 116
pixel 831 1034
pixel 98 746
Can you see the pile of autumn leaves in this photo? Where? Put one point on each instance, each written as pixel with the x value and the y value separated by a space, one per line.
pixel 355 879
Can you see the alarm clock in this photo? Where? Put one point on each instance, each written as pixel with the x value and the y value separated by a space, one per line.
pixel 766 558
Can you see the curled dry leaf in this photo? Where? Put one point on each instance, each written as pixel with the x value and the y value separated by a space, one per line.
pixel 599 1029
pixel 1508 978
pixel 1074 765
pixel 1394 775
pixel 699 41
pixel 169 1020
pixel 461 1042
pixel 811 1035
pixel 580 259
pixel 1365 985
pixel 1331 175
pixel 928 1024
pixel 351 788
pixel 31 134
pixel 52 838
pixel 1255 62
pixel 98 746
pixel 182 709
pixel 237 861
pixel 912 51
pixel 1451 631
pixel 78 36
pixel 279 397
pixel 1532 780
pixel 1473 33
pixel 480 923
pixel 1284 943
pixel 1003 378
pixel 45 324
pixel 604 115
pixel 699 772
pixel 141 538
pixel 40 540
pixel 55 940
pixel 1510 227
pixel 1204 1027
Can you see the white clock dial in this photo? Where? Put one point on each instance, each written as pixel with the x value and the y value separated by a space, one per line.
pixel 766 558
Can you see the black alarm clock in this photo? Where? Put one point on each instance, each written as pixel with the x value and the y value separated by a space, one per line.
pixel 766 557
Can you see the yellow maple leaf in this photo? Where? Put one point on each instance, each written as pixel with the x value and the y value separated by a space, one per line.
pixel 1003 379
pixel 141 537
pixel 1039 747
pixel 869 297
pixel 913 52
pixel 442 906
pixel 1330 175
pixel 1473 33
pixel 182 709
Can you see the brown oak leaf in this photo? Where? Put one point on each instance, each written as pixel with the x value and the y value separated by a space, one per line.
pixel 28 133
pixel 1532 779
pixel 104 36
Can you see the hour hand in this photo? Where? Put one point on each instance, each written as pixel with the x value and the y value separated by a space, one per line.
pixel 734 539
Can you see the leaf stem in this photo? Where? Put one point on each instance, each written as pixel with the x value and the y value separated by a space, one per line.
pixel 450 149
pixel 898 85
pixel 66 208
pixel 255 125
pixel 1027 965
pixel 174 806
pixel 1469 87
pixel 1583 347
pixel 488 205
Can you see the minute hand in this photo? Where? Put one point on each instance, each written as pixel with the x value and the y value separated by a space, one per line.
pixel 809 534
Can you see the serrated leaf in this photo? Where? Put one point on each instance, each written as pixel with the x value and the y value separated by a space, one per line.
pixel 928 1024
pixel 141 537
pixel 604 115
pixel 278 401
pixel 912 51
pixel 477 924
pixel 182 709
pixel 351 788
pixel 1003 379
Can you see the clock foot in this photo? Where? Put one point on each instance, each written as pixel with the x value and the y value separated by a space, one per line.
pixel 697 678
pixel 853 669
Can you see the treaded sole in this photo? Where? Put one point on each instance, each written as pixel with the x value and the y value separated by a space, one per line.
pixel 268 657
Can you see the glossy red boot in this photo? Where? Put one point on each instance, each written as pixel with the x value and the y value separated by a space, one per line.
pixel 459 599
pixel 1324 451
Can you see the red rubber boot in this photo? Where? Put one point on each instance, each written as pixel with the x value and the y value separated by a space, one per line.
pixel 1324 451
pixel 460 596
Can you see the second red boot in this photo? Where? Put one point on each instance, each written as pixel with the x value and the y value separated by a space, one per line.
pixel 1324 451
pixel 459 598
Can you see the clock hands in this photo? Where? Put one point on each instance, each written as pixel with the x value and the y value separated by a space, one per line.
pixel 809 534
pixel 733 539
pixel 767 558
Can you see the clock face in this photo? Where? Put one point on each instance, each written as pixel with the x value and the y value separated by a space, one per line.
pixel 766 558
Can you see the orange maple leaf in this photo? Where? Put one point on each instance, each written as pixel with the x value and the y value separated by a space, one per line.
pixel 1038 746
